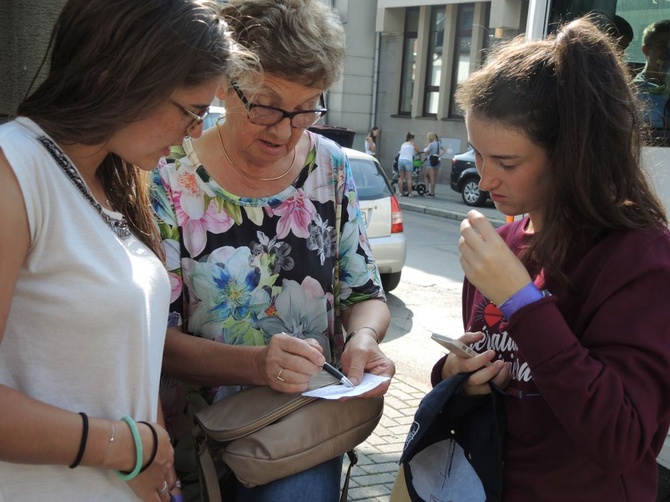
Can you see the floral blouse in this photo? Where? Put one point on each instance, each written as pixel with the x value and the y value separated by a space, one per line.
pixel 243 269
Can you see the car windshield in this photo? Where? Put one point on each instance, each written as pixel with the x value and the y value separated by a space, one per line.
pixel 370 182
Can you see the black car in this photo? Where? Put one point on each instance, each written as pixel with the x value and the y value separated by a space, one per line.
pixel 465 179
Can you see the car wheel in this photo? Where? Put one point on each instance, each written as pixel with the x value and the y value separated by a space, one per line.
pixel 421 189
pixel 471 194
pixel 390 281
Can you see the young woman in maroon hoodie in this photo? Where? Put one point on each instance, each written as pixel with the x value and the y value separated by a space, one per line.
pixel 571 303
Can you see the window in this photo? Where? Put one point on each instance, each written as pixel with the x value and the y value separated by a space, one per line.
pixel 626 20
pixel 465 23
pixel 434 63
pixel 409 50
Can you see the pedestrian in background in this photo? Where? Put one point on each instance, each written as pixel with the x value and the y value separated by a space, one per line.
pixel 653 81
pixel 433 151
pixel 406 164
pixel 84 297
pixel 569 303
pixel 371 142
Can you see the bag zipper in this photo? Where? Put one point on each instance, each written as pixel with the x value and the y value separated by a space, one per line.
pixel 259 423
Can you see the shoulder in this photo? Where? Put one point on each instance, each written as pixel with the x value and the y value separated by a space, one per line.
pixel 651 246
pixel 19 141
pixel 326 147
pixel 21 133
pixel 328 156
pixel 181 156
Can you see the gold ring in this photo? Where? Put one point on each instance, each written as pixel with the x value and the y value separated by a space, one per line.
pixel 163 488
pixel 279 375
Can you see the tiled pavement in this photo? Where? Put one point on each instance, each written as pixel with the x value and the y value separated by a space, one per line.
pixel 372 478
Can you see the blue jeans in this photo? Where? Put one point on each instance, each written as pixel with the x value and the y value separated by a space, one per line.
pixel 320 483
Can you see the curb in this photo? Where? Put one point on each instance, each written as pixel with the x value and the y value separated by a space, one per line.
pixel 444 213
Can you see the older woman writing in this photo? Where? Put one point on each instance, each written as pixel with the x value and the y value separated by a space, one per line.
pixel 265 242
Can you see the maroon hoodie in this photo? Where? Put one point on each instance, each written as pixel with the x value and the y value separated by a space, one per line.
pixel 589 402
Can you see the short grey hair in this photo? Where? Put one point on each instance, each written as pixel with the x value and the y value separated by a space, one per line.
pixel 299 40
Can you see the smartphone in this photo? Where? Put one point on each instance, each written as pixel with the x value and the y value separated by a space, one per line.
pixel 455 346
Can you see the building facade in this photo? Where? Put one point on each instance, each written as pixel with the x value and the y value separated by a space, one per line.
pixel 404 61
pixel 427 48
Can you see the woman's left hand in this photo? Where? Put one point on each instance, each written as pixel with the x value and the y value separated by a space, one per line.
pixel 363 355
pixel 487 261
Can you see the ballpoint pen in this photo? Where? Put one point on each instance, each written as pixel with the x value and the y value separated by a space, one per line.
pixel 337 374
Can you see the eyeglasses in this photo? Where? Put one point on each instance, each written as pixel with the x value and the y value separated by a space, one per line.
pixel 197 118
pixel 270 115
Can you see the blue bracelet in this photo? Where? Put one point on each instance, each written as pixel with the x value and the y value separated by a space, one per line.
pixel 525 296
pixel 127 476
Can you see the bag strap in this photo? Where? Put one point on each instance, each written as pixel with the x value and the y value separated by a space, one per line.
pixel 209 480
pixel 353 460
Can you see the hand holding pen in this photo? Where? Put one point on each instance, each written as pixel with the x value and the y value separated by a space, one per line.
pixel 338 374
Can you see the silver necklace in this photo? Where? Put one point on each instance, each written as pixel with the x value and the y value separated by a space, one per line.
pixel 119 227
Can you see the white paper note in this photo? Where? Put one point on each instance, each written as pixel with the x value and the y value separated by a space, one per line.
pixel 368 383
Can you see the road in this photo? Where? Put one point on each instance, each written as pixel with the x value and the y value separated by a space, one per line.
pixel 428 298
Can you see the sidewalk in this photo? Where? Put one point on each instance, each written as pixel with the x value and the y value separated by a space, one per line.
pixel 372 478
pixel 448 204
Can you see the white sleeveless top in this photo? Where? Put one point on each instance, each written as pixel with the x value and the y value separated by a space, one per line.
pixel 367 148
pixel 87 322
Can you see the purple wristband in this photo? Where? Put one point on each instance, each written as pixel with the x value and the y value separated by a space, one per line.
pixel 525 296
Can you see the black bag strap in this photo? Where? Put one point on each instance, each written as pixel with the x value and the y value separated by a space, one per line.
pixel 353 460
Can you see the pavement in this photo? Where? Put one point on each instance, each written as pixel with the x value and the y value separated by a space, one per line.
pixel 448 204
pixel 373 476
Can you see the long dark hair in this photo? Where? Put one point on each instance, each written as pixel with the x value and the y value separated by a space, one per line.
pixel 111 63
pixel 571 94
pixel 372 134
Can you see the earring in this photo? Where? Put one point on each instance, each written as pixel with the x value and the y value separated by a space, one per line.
pixel 221 120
